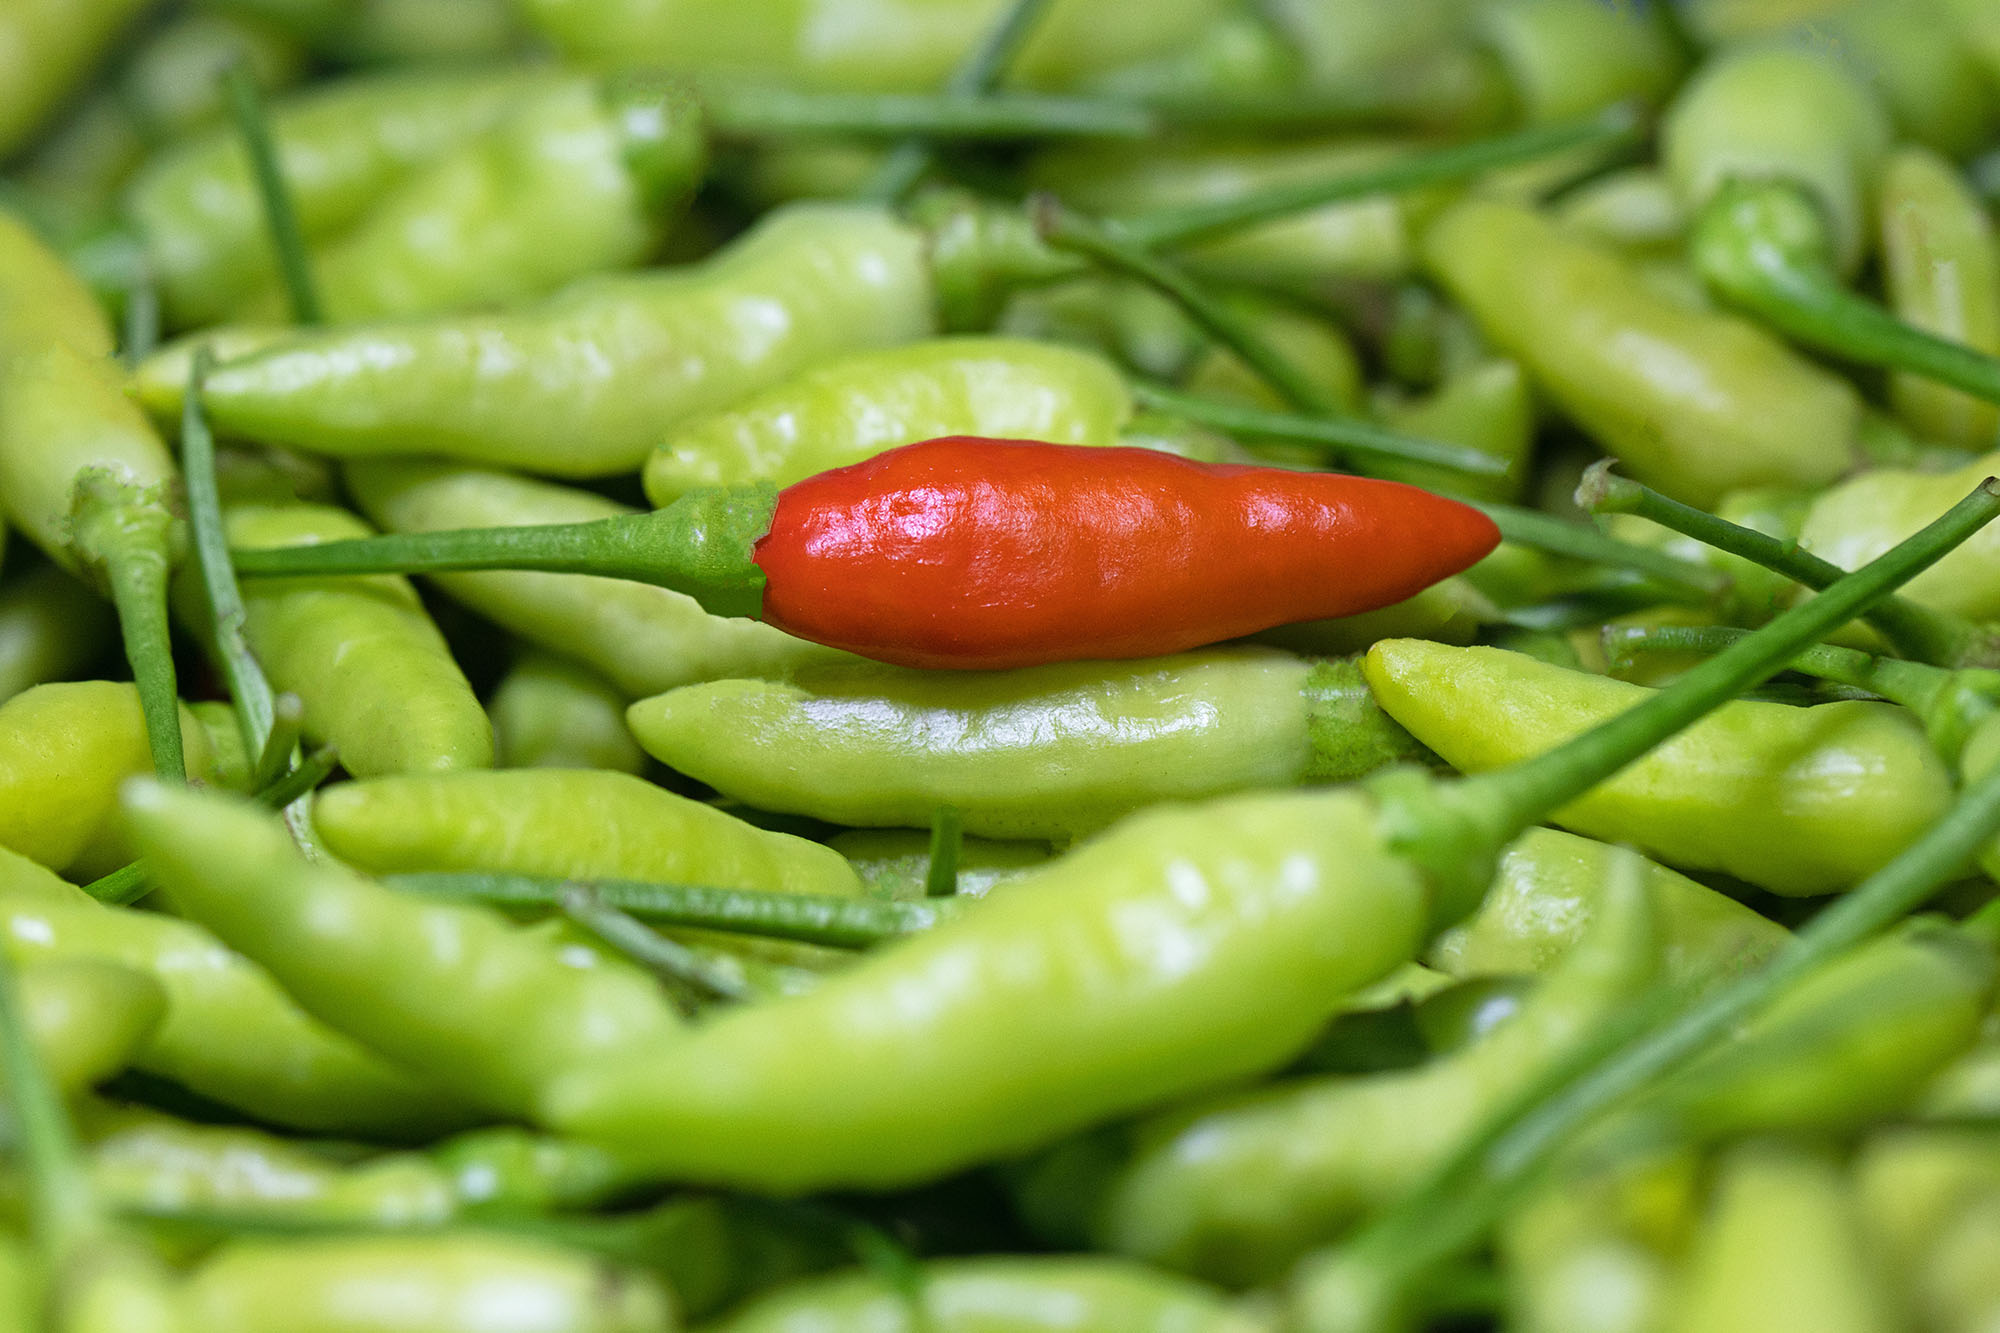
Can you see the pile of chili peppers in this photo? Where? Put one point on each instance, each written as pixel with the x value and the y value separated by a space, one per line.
pixel 999 666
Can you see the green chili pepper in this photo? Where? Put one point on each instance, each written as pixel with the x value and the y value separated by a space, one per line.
pixel 1942 269
pixel 1928 1195
pixel 895 863
pixel 582 384
pixel 552 713
pixel 64 748
pixel 88 1017
pixel 1044 752
pixel 1238 1187
pixel 1837 790
pixel 50 628
pixel 1696 403
pixel 529 1003
pixel 1122 319
pixel 197 211
pixel 1589 1256
pixel 569 823
pixel 1633 208
pixel 229 1033
pixel 46 47
pixel 1018 1294
pixel 377 679
pixel 644 639
pixel 1862 515
pixel 854 407
pixel 1315 347
pixel 1914 57
pixel 1547 893
pixel 1569 58
pixel 451 1283
pixel 1486 406
pixel 45 302
pixel 1402 64
pixel 574 178
pixel 1781 1249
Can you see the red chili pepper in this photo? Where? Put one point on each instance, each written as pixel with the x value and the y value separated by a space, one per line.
pixel 974 553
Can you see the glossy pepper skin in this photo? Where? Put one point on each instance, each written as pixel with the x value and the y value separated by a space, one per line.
pixel 1864 515
pixel 1837 790
pixel 569 824
pixel 986 554
pixel 1941 263
pixel 1695 402
pixel 229 1033
pixel 854 407
pixel 1042 752
pixel 1238 1187
pixel 575 178
pixel 530 1002
pixel 467 1282
pixel 46 47
pixel 644 639
pixel 996 1294
pixel 342 146
pixel 377 679
pixel 581 384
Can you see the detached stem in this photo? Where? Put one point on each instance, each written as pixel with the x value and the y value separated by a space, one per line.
pixel 770 112
pixel 1687 581
pixel 670 960
pixel 1930 636
pixel 1341 436
pixel 138 581
pixel 1911 684
pixel 984 66
pixel 947 846
pixel 246 107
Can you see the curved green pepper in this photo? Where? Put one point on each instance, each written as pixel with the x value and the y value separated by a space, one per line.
pixel 566 823
pixel 45 302
pixel 88 1017
pixel 1568 58
pixel 1941 265
pixel 377 679
pixel 845 410
pixel 1118 317
pixel 575 178
pixel 528 1004
pixel 582 384
pixel 197 211
pixel 46 47
pixel 1408 63
pixel 1237 1188
pixel 1487 406
pixel 552 713
pixel 1315 347
pixel 1046 752
pixel 1781 1250
pixel 453 1283
pixel 51 628
pixel 1866 515
pixel 1795 800
pixel 996 1294
pixel 229 1033
pixel 1696 403
pixel 64 748
pixel 644 639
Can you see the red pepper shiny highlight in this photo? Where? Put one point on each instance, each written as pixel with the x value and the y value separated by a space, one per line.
pixel 972 553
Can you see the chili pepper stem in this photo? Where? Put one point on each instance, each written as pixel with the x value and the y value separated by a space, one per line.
pixel 770 112
pixel 1455 831
pixel 281 217
pixel 701 545
pixel 1761 245
pixel 1930 636
pixel 683 970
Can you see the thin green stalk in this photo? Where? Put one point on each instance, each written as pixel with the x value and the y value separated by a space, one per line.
pixel 1066 229
pixel 1459 1204
pixel 669 960
pixel 1682 579
pixel 138 580
pixel 1524 794
pixel 288 715
pixel 825 919
pixel 1340 436
pixel 1914 685
pixel 983 68
pixel 1170 227
pixel 947 846
pixel 757 113
pixel 1928 635
pixel 60 1210
pixel 246 107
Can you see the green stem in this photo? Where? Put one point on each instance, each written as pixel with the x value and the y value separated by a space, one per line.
pixel 138 579
pixel 1911 684
pixel 1930 636
pixel 1341 436
pixel 1066 229
pixel 1681 579
pixel 669 960
pixel 772 112
pixel 288 715
pixel 984 66
pixel 1755 246
pixel 947 846
pixel 246 107
pixel 1508 800
pixel 60 1204
pixel 702 545
pixel 1466 1196
pixel 838 922
pixel 1194 222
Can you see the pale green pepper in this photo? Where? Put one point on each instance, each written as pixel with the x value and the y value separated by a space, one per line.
pixel 46 47
pixel 1696 403
pixel 1044 752
pixel 1866 515
pixel 1941 266
pixel 51 628
pixel 552 713
pixel 1487 406
pixel 88 1017
pixel 644 639
pixel 566 823
pixel 1316 348
pixel 1794 800
pixel 853 407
